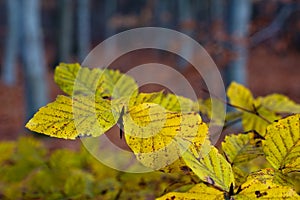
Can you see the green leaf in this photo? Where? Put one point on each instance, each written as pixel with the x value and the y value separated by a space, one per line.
pixel 282 144
pixel 31 151
pixel 14 191
pixel 211 167
pixel 62 159
pixel 240 96
pixel 28 155
pixel 57 119
pixel 96 167
pixel 78 185
pixel 6 151
pixel 107 189
pixel 278 103
pixel 261 185
pixel 199 191
pixel 148 185
pixel 40 183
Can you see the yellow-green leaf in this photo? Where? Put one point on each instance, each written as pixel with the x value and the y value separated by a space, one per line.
pixel 70 118
pixel 282 144
pixel 205 108
pixel 211 167
pixel 170 102
pixel 260 185
pixel 117 84
pixel 254 115
pixel 85 80
pixel 240 96
pixel 241 148
pixel 141 98
pixel 176 103
pixel 199 191
pixel 240 175
pixel 283 179
pixel 259 123
pixel 278 103
pixel 156 135
pixel 72 78
pixel 65 75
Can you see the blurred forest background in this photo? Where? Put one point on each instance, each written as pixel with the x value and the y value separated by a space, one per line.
pixel 254 42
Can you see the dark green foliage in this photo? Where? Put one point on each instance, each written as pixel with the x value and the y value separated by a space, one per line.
pixel 30 171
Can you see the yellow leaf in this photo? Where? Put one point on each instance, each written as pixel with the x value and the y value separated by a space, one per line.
pixel 259 113
pixel 278 103
pixel 211 167
pixel 241 148
pixel 65 75
pixel 141 98
pixel 70 118
pixel 156 135
pixel 74 79
pixel 260 185
pixel 198 192
pixel 117 84
pixel 283 179
pixel 176 103
pixel 240 175
pixel 282 144
pixel 240 96
pixel 259 123
pixel 85 80
pixel 170 102
pixel 255 116
pixel 205 108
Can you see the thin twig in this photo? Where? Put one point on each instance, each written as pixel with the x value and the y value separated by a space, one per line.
pixel 238 107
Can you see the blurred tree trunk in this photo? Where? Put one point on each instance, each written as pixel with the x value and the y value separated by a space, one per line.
pixel 276 25
pixel 33 55
pixel 110 9
pixel 110 28
pixel 11 48
pixel 202 11
pixel 186 26
pixel 83 28
pixel 164 14
pixel 237 27
pixel 217 10
pixel 66 29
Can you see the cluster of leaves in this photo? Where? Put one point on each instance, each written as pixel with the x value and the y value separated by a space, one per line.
pixel 230 175
pixel 99 99
pixel 30 171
